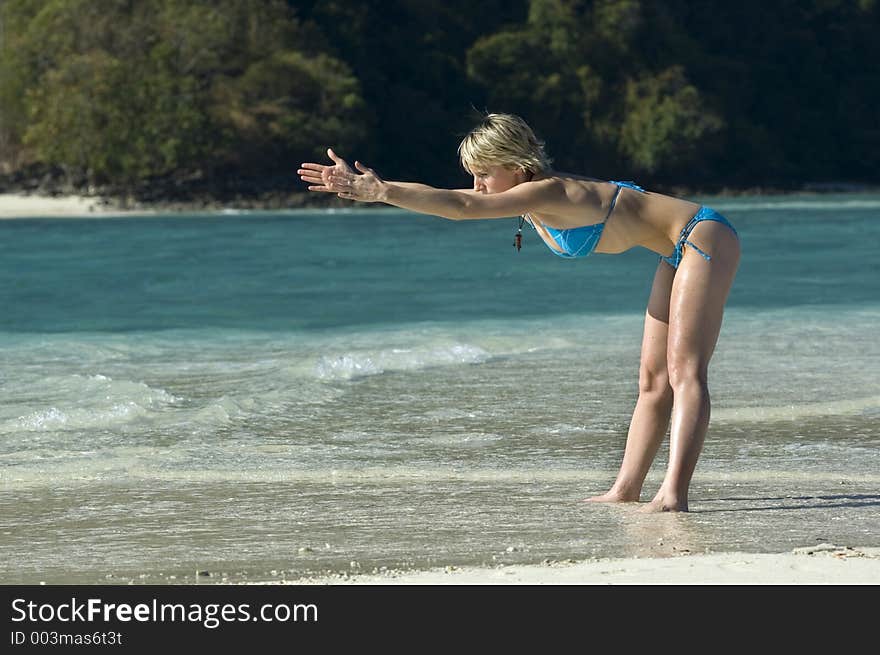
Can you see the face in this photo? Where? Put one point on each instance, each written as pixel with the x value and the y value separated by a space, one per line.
pixel 495 179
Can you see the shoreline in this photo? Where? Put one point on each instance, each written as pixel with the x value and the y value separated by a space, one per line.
pixel 20 204
pixel 823 564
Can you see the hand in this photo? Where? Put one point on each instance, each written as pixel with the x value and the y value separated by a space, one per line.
pixel 318 175
pixel 366 187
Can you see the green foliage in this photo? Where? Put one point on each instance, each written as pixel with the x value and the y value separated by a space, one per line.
pixel 289 103
pixel 726 93
pixel 710 93
pixel 664 120
pixel 122 92
pixel 535 70
pixel 73 102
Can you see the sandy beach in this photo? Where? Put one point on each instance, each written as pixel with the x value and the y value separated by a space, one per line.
pixel 19 205
pixel 22 205
pixel 824 564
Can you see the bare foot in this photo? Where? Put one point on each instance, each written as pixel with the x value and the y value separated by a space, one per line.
pixel 662 505
pixel 612 497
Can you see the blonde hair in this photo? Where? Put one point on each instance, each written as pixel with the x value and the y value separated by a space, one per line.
pixel 503 140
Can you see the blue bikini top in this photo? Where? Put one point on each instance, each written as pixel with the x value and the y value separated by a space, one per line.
pixel 581 241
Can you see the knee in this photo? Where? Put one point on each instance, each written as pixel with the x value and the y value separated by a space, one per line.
pixel 687 375
pixel 654 381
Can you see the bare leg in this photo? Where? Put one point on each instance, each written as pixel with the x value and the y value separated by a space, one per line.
pixel 650 418
pixel 699 292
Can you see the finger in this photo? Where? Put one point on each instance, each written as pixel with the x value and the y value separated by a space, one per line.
pixel 334 156
pixel 362 168
pixel 324 189
pixel 314 167
pixel 312 179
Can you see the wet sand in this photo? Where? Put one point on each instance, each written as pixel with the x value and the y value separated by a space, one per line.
pixel 824 564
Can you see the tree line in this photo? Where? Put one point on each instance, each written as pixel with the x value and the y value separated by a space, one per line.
pixel 137 95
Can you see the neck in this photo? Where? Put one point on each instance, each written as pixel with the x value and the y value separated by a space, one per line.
pixel 540 175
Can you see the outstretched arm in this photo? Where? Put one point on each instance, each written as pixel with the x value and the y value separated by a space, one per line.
pixel 453 204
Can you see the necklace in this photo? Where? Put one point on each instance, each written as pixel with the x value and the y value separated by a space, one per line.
pixel 517 238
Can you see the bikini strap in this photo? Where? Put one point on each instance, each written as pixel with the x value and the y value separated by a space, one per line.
pixel 613 202
pixel 629 185
pixel 620 185
pixel 678 252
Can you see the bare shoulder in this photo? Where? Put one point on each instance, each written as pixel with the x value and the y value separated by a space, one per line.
pixel 574 190
pixel 546 187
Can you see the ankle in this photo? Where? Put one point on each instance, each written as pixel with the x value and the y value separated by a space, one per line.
pixel 670 501
pixel 625 490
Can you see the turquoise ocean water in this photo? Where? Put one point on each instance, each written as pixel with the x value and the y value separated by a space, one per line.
pixel 266 396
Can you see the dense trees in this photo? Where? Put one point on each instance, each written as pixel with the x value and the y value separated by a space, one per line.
pixel 126 92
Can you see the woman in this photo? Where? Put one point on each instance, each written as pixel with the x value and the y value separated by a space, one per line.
pixel 576 216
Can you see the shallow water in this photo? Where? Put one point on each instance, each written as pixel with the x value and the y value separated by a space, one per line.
pixel 297 393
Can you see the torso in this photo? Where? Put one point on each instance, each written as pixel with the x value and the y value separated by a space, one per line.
pixel 650 220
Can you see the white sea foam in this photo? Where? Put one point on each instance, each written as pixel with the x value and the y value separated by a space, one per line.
pixel 82 402
pixel 357 364
pixel 56 419
pixel 219 412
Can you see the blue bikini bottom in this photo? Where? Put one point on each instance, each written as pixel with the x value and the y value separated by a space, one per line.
pixel 705 214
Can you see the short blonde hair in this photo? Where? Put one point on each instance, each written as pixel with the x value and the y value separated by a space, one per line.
pixel 503 140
